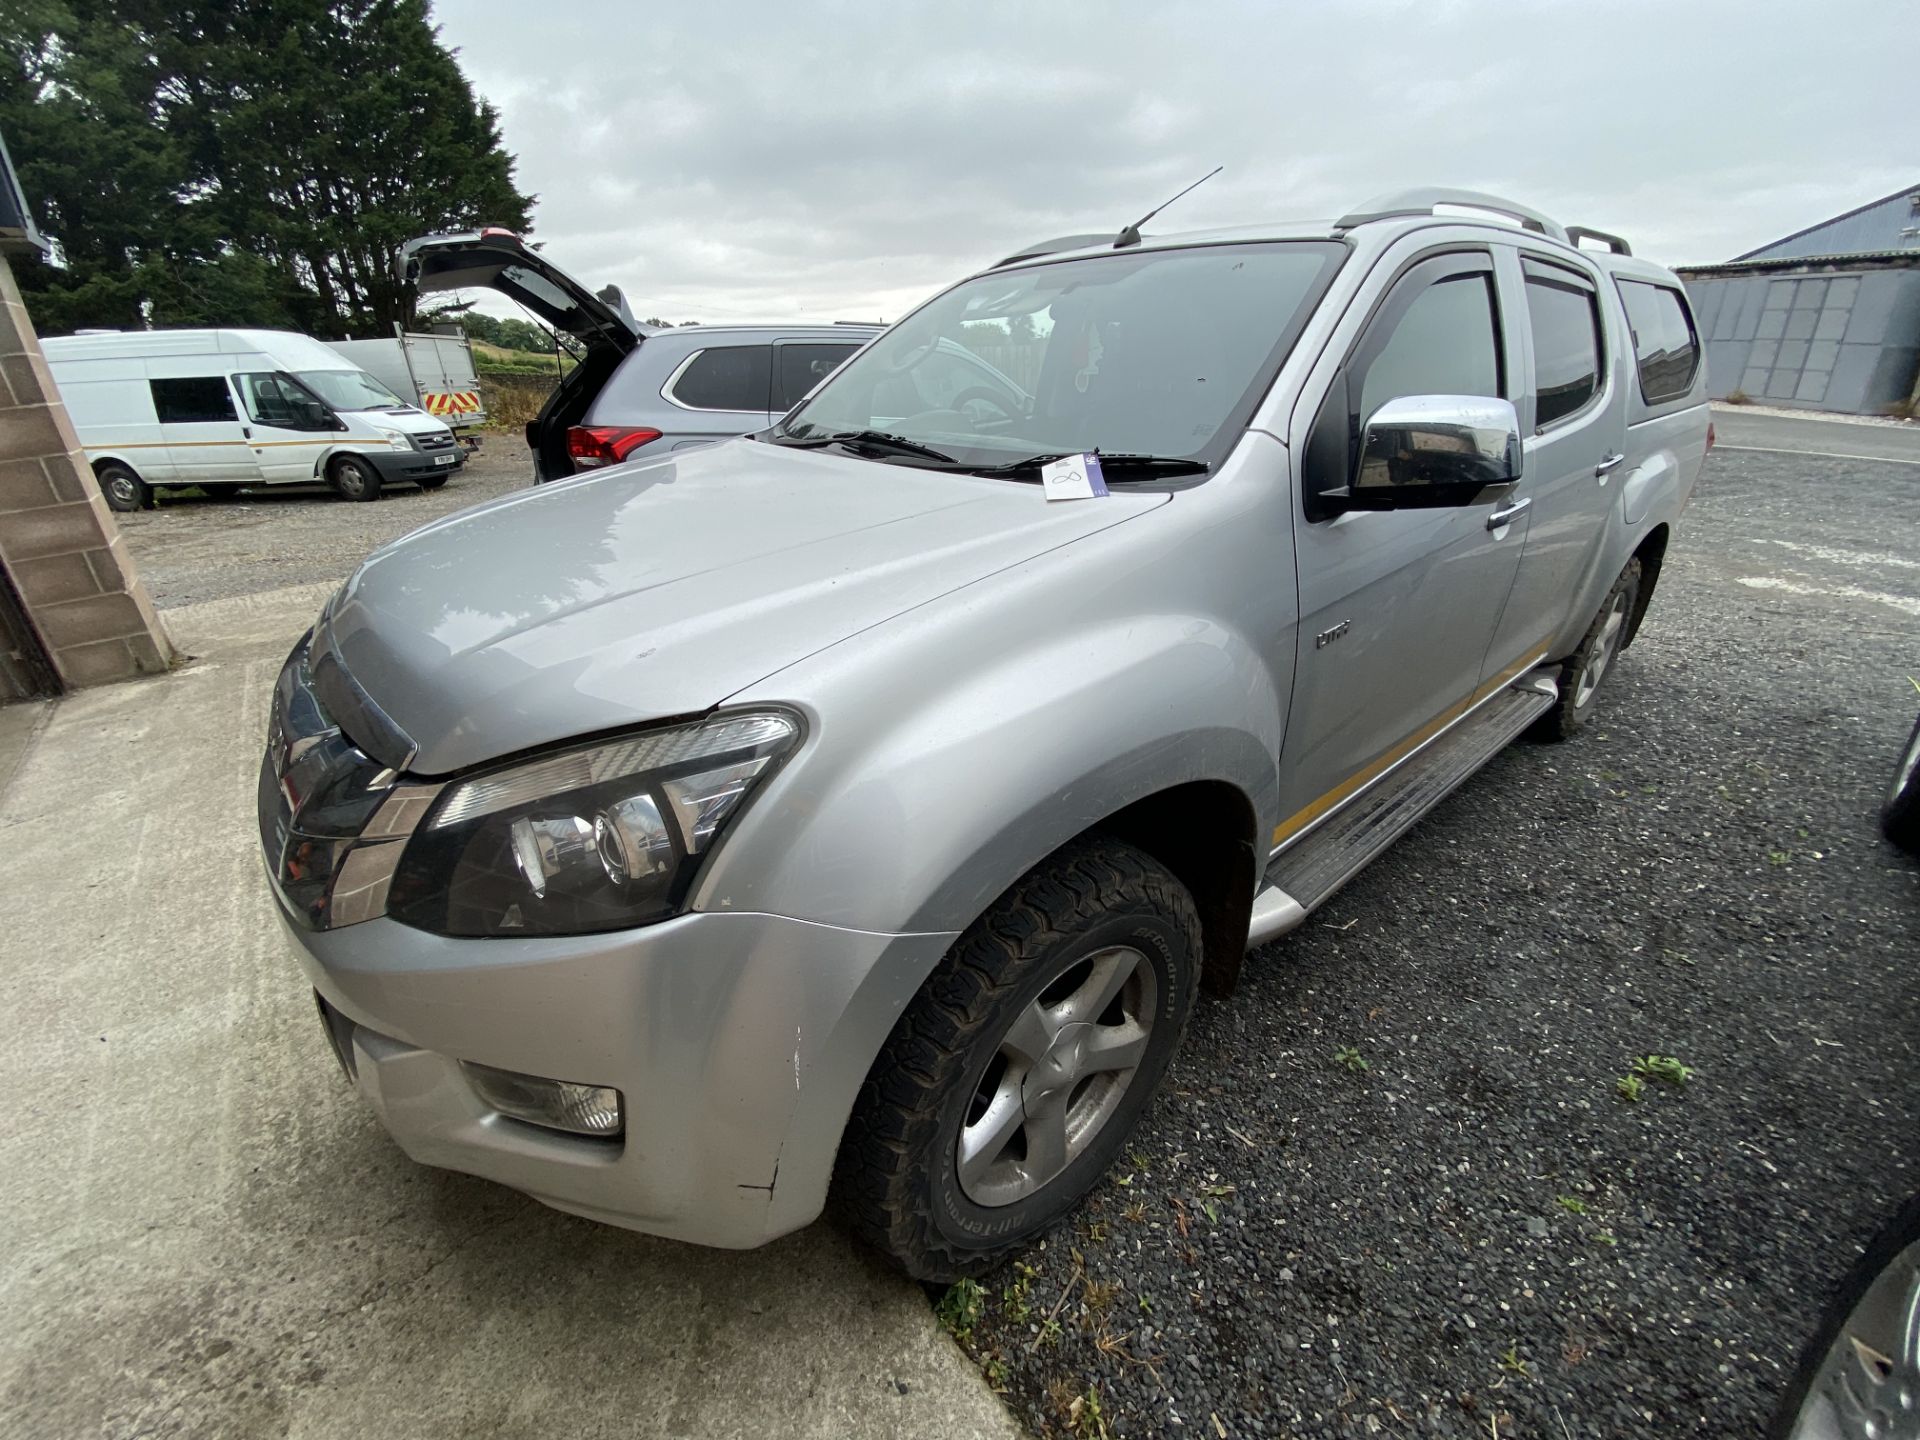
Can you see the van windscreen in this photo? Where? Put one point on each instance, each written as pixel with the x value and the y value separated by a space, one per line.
pixel 350 390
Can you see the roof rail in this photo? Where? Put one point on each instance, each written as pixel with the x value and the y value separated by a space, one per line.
pixel 1422 200
pixel 1577 233
pixel 1055 246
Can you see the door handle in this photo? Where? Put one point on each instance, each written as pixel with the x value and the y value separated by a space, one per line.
pixel 1505 514
pixel 1607 466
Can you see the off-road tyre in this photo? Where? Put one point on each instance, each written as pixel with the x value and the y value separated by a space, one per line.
pixel 1900 816
pixel 1600 647
pixel 895 1181
pixel 354 478
pixel 124 490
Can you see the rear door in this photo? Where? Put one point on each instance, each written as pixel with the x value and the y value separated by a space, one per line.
pixel 801 364
pixel 201 431
pixel 719 391
pixel 1573 427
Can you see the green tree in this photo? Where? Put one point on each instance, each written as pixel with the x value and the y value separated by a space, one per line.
pixel 227 161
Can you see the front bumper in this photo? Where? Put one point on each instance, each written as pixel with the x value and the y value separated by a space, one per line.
pixel 406 466
pixel 738 1042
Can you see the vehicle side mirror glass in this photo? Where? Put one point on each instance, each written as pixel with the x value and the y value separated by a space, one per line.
pixel 1430 451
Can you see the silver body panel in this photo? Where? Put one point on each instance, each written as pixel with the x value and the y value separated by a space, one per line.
pixel 982 676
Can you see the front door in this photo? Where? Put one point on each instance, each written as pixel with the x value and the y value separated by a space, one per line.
pixel 1397 607
pixel 288 428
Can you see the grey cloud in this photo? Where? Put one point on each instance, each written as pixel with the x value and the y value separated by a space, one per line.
pixel 832 160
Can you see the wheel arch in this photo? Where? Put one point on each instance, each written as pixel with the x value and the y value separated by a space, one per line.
pixel 1203 831
pixel 99 462
pixel 1652 554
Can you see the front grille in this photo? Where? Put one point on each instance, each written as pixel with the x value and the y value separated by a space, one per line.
pixel 439 440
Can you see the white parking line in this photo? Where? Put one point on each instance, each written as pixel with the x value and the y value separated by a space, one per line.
pixel 1833 592
pixel 1814 454
pixel 1833 555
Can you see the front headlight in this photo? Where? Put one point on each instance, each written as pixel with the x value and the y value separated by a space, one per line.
pixel 603 837
pixel 397 440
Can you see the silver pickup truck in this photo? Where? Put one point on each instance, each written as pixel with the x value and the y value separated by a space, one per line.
pixel 851 814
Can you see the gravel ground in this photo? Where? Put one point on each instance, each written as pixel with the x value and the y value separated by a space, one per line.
pixel 206 547
pixel 1478 1235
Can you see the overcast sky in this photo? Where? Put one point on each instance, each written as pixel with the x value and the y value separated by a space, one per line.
pixel 827 161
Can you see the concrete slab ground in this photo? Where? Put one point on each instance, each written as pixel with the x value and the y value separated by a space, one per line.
pixel 207 1233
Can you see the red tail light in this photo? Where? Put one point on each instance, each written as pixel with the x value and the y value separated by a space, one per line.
pixel 592 445
pixel 1709 436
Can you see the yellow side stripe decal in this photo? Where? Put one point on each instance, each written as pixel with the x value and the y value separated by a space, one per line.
pixel 1304 817
pixel 199 444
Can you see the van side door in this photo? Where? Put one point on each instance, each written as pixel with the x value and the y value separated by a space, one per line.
pixel 200 430
pixel 1396 606
pixel 1573 424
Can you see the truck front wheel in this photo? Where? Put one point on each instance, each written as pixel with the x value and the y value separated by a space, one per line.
pixel 1018 1071
pixel 354 478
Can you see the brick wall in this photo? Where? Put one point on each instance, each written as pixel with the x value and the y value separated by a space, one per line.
pixel 59 543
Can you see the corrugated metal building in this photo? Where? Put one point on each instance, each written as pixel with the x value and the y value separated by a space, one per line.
pixel 1827 318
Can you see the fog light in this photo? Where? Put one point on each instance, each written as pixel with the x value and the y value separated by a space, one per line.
pixel 556 1104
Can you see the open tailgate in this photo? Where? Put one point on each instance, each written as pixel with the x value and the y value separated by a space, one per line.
pixel 497 259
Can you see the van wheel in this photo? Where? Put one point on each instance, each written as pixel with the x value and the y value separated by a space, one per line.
pixel 124 490
pixel 1582 672
pixel 354 478
pixel 1017 1073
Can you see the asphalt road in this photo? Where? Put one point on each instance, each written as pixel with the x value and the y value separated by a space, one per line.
pixel 1478 1234
pixel 1739 428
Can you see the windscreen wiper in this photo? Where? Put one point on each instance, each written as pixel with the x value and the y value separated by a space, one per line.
pixel 873 440
pixel 1145 465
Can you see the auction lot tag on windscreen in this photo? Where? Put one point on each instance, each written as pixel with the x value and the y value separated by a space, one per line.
pixel 1076 477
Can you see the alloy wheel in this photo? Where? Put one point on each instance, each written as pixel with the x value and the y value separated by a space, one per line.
pixel 1605 646
pixel 1057 1076
pixel 1868 1385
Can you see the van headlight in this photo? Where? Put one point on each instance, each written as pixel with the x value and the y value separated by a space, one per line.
pixel 397 440
pixel 603 837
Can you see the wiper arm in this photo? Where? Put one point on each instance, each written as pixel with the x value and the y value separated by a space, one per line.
pixel 1150 464
pixel 874 440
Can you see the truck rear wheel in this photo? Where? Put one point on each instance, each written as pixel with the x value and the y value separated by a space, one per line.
pixel 125 491
pixel 1017 1073
pixel 354 478
pixel 1582 671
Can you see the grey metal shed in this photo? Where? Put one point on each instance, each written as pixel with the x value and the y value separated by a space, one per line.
pixel 1836 332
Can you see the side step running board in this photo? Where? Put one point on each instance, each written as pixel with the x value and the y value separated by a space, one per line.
pixel 1305 875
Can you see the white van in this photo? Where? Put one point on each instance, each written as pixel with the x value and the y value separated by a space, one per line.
pixel 156 408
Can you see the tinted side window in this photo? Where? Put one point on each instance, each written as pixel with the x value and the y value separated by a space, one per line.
pixel 1565 319
pixel 192 401
pixel 1447 343
pixel 801 368
pixel 1664 340
pixel 727 377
